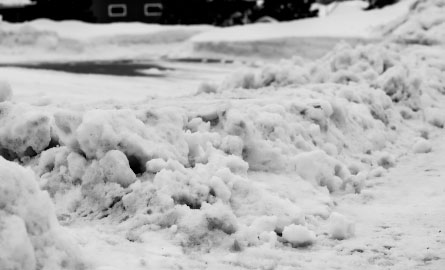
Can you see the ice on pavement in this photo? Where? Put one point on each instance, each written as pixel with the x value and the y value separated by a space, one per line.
pixel 266 169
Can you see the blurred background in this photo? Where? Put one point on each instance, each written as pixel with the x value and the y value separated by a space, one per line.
pixel 215 12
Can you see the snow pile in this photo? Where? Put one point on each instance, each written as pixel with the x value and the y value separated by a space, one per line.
pixel 403 79
pixel 159 168
pixel 30 235
pixel 248 163
pixel 310 38
pixel 425 24
pixel 189 168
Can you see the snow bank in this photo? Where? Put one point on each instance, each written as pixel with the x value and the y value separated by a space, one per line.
pixel 187 166
pixel 30 235
pixel 424 24
pixel 310 38
pixel 45 39
pixel 379 66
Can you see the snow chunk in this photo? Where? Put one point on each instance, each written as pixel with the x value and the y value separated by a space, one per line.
pixel 116 168
pixel 220 217
pixel 156 165
pixel 25 132
pixel 422 146
pixel 324 170
pixel 435 117
pixel 340 227
pixel 298 235
pixel 76 165
pixel 385 160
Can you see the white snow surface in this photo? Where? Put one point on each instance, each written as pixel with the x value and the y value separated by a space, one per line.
pixel 404 22
pixel 14 2
pixel 334 163
pixel 311 37
pixel 348 20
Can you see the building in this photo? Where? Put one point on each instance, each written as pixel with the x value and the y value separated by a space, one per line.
pixel 149 11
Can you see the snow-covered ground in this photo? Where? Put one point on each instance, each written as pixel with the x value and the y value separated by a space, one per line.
pixel 330 163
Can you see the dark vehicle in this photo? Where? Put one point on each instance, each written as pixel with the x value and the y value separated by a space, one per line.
pixel 217 12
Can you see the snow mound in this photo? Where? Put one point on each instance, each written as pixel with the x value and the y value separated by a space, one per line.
pixel 197 169
pixel 424 24
pixel 340 227
pixel 30 235
pixel 189 169
pixel 379 66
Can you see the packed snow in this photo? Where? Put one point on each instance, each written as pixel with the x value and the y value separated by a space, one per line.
pixel 290 164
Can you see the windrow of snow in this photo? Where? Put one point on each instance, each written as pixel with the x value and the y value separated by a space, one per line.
pixel 382 67
pixel 30 236
pixel 189 167
pixel 424 24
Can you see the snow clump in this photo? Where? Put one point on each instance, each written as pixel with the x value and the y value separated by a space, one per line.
pixel 422 146
pixel 340 227
pixel 25 132
pixel 298 235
